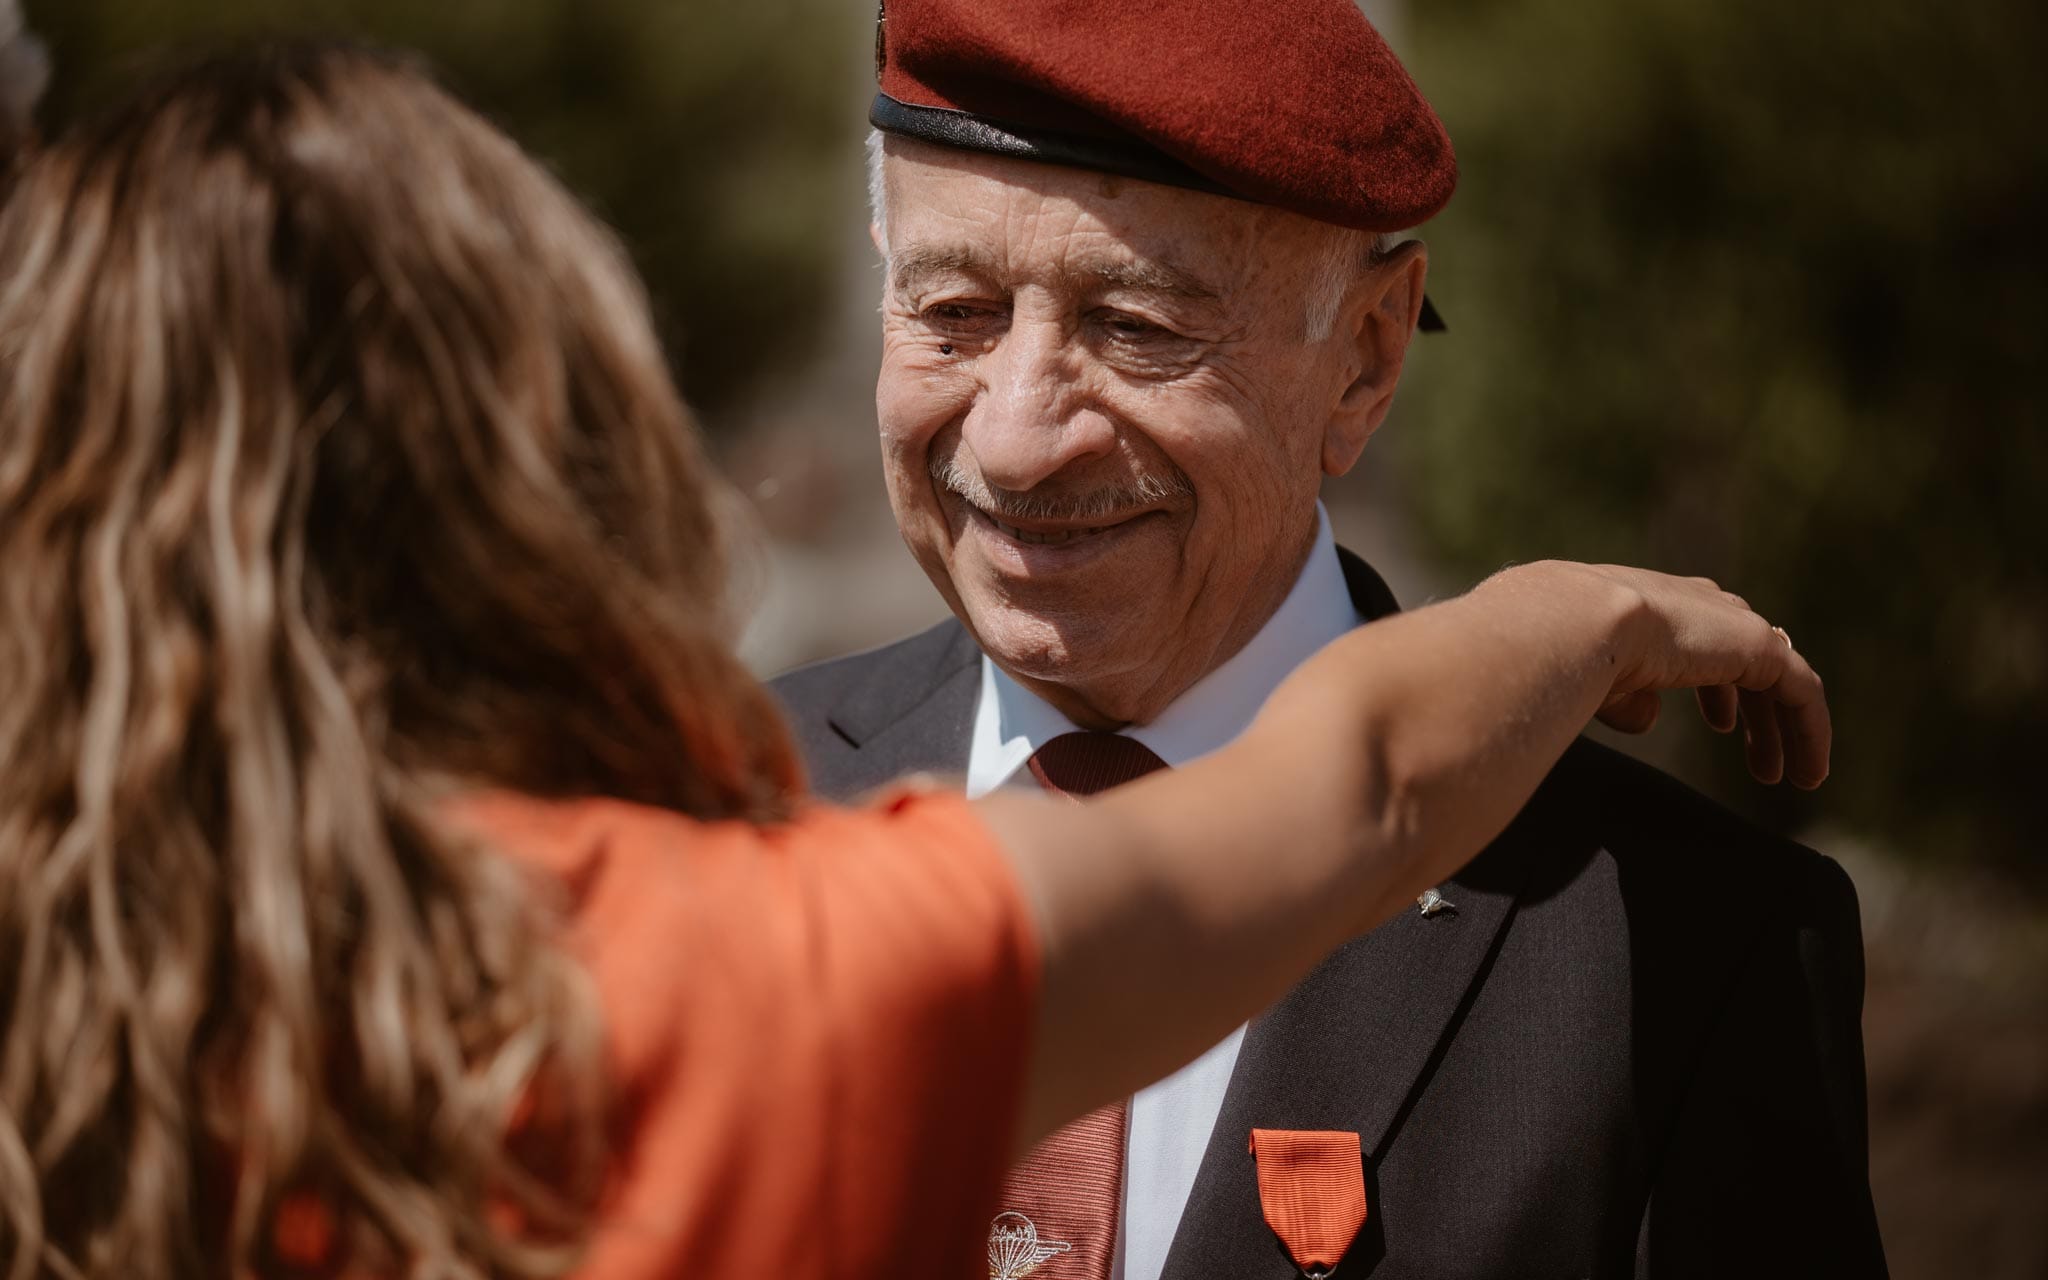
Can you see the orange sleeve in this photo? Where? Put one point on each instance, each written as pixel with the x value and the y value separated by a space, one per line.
pixel 817 1032
pixel 932 978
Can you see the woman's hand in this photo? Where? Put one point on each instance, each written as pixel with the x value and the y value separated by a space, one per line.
pixel 1688 633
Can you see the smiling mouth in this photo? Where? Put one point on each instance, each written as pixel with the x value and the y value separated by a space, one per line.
pixel 1056 538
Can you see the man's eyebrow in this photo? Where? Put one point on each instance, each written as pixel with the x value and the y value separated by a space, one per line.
pixel 918 264
pixel 1154 277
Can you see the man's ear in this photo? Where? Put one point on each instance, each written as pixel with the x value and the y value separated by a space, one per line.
pixel 1377 323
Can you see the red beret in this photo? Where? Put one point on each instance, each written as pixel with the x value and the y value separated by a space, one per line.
pixel 1293 103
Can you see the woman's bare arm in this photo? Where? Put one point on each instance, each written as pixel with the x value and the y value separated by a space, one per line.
pixel 1174 908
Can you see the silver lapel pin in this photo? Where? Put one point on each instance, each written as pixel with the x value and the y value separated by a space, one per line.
pixel 1433 901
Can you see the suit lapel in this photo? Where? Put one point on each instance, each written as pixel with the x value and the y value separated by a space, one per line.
pixel 914 713
pixel 1348 1048
pixel 1345 1050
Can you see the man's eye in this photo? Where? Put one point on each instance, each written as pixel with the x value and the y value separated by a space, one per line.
pixel 957 313
pixel 1122 324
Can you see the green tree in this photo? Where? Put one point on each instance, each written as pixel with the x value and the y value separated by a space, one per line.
pixel 706 133
pixel 1757 290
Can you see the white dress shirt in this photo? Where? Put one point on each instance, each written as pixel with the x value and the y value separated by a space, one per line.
pixel 1170 1123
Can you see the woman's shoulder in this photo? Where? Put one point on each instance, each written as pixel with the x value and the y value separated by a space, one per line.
pixel 915 861
pixel 574 836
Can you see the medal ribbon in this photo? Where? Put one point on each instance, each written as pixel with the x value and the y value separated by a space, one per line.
pixel 1312 1188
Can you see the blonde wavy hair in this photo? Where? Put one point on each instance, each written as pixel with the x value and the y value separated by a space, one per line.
pixel 340 473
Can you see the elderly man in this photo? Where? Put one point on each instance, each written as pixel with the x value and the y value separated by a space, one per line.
pixel 1141 297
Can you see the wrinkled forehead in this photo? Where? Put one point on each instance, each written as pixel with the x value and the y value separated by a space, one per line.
pixel 948 209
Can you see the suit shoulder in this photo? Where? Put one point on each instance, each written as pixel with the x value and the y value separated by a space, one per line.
pixel 863 720
pixel 809 692
pixel 1666 831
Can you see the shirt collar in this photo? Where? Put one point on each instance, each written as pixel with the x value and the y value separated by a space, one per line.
pixel 1011 722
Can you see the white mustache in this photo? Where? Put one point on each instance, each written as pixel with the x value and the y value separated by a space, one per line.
pixel 1095 504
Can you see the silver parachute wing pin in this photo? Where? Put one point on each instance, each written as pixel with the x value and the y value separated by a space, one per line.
pixel 1014 1249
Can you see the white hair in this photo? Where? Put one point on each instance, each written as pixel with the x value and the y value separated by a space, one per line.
pixel 878 202
pixel 1345 256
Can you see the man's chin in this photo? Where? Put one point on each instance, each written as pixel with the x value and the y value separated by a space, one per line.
pixel 1070 650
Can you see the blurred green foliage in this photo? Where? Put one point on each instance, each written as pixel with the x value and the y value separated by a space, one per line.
pixel 1757 290
pixel 707 133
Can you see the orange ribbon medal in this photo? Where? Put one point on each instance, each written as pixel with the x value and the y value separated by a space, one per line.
pixel 1312 1188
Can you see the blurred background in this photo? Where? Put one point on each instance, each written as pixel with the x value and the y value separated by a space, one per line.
pixel 1752 290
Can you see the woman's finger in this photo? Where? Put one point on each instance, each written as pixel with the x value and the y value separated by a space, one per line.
pixel 1808 731
pixel 1719 706
pixel 1760 734
pixel 1633 713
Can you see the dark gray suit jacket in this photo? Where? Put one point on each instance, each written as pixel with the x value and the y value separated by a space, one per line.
pixel 1634 1048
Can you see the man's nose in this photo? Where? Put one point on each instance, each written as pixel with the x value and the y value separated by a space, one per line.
pixel 1033 416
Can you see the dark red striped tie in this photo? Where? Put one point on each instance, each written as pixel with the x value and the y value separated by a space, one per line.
pixel 1059 1207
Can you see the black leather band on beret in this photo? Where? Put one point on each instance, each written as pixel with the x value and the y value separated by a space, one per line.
pixel 949 128
pixel 945 127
